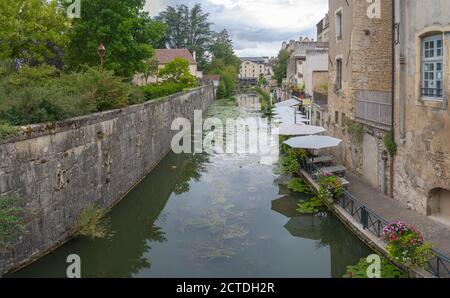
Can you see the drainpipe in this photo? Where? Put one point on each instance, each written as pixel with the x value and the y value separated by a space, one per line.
pixel 402 89
pixel 392 163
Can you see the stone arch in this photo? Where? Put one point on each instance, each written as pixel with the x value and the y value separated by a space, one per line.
pixel 439 203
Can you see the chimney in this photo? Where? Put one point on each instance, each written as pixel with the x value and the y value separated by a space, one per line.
pixel 194 54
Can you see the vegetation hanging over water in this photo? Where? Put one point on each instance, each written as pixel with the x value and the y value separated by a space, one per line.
pixel 387 270
pixel 93 224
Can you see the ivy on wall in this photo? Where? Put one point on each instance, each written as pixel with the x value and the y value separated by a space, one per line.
pixel 356 131
pixel 390 144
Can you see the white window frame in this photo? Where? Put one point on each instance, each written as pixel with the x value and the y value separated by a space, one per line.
pixel 339 23
pixel 432 67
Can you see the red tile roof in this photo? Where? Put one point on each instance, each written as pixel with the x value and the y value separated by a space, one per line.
pixel 211 77
pixel 165 56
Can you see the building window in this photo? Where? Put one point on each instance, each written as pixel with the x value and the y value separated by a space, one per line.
pixel 343 120
pixel 336 117
pixel 339 74
pixel 339 27
pixel 432 63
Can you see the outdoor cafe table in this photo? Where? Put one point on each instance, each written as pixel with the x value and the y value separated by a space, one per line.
pixel 321 159
pixel 338 170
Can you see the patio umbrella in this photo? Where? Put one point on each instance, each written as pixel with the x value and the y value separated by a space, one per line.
pixel 282 110
pixel 288 103
pixel 313 142
pixel 300 130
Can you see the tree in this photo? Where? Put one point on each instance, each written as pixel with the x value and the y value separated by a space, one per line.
pixel 222 48
pixel 224 63
pixel 31 31
pixel 222 90
pixel 150 68
pixel 188 28
pixel 280 67
pixel 177 71
pixel 127 32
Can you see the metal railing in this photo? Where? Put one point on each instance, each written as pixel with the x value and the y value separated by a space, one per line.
pixel 438 265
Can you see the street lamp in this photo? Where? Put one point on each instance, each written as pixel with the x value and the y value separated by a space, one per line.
pixel 101 52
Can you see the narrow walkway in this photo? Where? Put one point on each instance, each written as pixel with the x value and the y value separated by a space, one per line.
pixel 436 233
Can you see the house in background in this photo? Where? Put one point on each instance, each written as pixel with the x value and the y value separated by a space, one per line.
pixel 323 29
pixel 164 57
pixel 297 63
pixel 252 68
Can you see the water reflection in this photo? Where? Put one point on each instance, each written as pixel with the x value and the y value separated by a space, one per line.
pixel 212 216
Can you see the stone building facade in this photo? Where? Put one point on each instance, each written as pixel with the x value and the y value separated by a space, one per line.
pixel 360 88
pixel 422 116
pixel 323 29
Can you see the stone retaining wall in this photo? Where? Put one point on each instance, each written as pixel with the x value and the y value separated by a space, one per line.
pixel 61 169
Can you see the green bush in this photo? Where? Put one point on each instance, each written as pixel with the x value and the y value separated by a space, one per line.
pixel 387 270
pixel 39 95
pixel 137 95
pixel 299 185
pixel 177 71
pixel 35 104
pixel 161 90
pixel 7 129
pixel 11 225
pixel 99 90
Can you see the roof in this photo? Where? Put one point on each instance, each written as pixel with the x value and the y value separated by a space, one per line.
pixel 212 77
pixel 253 59
pixel 165 56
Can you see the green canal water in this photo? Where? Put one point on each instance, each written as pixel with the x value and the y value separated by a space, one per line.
pixel 212 215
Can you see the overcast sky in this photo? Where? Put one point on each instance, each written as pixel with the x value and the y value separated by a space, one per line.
pixel 257 27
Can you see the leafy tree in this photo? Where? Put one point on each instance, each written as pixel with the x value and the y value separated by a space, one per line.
pixel 224 63
pixel 188 28
pixel 222 48
pixel 280 67
pixel 127 32
pixel 222 90
pixel 32 31
pixel 177 71
pixel 150 68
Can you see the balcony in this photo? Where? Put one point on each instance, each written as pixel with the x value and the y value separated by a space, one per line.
pixel 374 108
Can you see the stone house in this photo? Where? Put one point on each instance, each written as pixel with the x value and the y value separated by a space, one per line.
pixel 255 67
pixel 164 57
pixel 323 29
pixel 422 116
pixel 389 76
pixel 296 68
pixel 358 109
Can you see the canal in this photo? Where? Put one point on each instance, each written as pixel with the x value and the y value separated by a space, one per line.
pixel 212 215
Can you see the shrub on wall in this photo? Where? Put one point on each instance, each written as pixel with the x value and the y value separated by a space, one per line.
pixel 390 144
pixel 161 90
pixel 11 225
pixel 92 224
pixel 356 131
pixel 40 94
